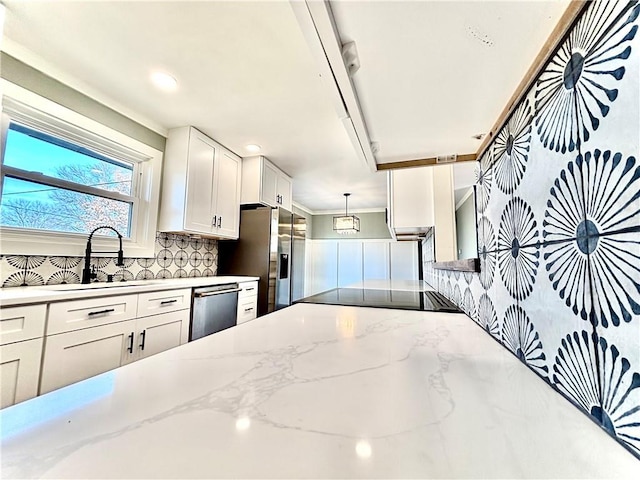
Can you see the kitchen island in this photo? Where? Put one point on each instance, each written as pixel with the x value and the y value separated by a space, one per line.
pixel 315 391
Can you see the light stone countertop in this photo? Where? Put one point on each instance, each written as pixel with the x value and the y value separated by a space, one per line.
pixel 315 391
pixel 54 293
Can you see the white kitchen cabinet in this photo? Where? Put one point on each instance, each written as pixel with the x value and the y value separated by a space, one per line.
pixel 73 356
pixel 264 183
pixel 90 336
pixel 24 322
pixel 409 201
pixel 19 371
pixel 201 186
pixel 21 338
pixel 158 333
pixel 90 312
pixel 444 214
pixel 247 301
pixel 79 354
pixel 164 301
pixel 228 195
pixel 284 191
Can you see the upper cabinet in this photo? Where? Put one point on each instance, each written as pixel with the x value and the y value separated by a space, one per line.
pixel 410 202
pixel 421 198
pixel 200 187
pixel 263 182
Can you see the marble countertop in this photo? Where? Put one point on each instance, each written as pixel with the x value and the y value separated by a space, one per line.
pixel 315 391
pixel 55 293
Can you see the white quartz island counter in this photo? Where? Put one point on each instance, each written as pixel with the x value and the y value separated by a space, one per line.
pixel 315 391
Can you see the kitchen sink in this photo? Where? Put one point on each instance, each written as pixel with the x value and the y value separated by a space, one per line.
pixel 94 286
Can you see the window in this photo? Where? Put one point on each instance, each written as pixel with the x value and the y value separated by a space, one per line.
pixel 51 184
pixel 62 179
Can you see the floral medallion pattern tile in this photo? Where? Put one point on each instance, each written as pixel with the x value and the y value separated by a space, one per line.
pixel 558 216
pixel 177 256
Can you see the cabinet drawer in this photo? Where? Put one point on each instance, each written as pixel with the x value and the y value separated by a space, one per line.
pixel 249 289
pixel 153 303
pixel 79 314
pixel 22 323
pixel 247 310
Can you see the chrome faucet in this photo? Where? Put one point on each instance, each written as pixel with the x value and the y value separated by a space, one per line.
pixel 87 274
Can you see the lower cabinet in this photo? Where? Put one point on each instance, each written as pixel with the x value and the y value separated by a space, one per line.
pixel 19 371
pixel 73 356
pixel 158 333
pixel 247 302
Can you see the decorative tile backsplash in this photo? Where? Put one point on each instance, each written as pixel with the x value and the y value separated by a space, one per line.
pixel 558 198
pixel 177 256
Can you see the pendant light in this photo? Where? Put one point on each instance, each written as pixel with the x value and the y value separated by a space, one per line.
pixel 346 224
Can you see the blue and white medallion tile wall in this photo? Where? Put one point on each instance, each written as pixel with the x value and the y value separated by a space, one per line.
pixel 177 256
pixel 558 200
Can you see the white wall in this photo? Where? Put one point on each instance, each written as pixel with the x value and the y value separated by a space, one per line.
pixel 339 263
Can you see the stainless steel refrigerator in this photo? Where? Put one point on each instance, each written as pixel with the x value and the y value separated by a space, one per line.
pixel 264 250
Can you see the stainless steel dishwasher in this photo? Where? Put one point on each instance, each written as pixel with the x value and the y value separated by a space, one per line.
pixel 213 309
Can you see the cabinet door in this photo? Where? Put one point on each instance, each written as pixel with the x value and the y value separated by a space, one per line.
pixel 19 371
pixel 228 195
pixel 74 356
pixel 200 186
pixel 284 191
pixel 269 184
pixel 158 333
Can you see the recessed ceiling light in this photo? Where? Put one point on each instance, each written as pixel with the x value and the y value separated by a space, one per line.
pixel 253 148
pixel 164 81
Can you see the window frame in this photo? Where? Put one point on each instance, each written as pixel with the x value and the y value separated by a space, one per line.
pixel 28 109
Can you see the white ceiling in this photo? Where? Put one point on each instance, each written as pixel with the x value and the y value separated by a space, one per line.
pixel 434 73
pixel 427 82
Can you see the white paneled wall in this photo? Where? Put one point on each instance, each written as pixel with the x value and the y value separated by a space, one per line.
pixel 339 263
pixel 323 266
pixel 403 260
pixel 350 261
pixel 376 256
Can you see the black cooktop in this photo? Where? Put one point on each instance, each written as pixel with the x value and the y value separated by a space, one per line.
pixel 401 299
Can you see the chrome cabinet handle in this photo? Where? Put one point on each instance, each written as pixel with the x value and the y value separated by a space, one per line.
pixel 248 309
pixel 213 223
pixel 167 302
pixel 219 221
pixel 249 289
